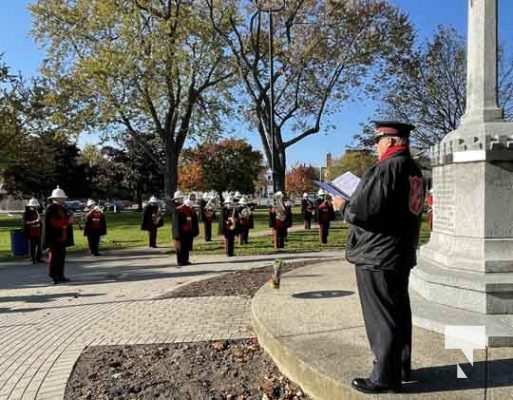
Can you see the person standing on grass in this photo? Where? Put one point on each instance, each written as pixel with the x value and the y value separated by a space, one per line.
pixel 184 229
pixel 58 234
pixel 95 226
pixel 208 213
pixel 385 216
pixel 152 220
pixel 245 221
pixel 228 224
pixel 307 209
pixel 325 214
pixel 279 220
pixel 32 226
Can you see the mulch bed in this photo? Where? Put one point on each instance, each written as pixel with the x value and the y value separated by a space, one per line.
pixel 239 283
pixel 222 370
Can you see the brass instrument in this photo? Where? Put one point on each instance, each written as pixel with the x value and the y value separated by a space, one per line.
pixel 232 221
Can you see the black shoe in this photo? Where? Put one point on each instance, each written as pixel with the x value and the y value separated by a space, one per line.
pixel 406 375
pixel 64 279
pixel 367 386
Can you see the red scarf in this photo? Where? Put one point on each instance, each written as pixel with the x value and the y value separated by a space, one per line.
pixel 393 150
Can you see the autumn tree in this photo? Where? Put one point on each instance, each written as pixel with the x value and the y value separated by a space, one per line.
pixel 135 66
pixel 230 164
pixel 191 177
pixel 324 52
pixel 301 179
pixel 428 88
pixel 355 161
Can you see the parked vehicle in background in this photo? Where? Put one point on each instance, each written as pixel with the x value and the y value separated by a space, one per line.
pixel 74 205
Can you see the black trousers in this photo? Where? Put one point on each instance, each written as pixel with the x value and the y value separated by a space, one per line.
pixel 229 242
pixel 57 256
pixel 324 230
pixel 35 250
pixel 308 221
pixel 94 243
pixel 279 236
pixel 152 236
pixel 387 314
pixel 243 235
pixel 208 230
pixel 182 255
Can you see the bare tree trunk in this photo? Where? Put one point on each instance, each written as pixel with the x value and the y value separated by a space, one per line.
pixel 170 175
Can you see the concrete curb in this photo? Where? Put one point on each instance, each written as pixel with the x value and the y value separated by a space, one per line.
pixel 316 384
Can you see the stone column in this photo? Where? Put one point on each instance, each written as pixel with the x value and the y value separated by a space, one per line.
pixel 468 262
pixel 482 62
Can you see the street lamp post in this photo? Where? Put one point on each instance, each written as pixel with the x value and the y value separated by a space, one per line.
pixel 271 6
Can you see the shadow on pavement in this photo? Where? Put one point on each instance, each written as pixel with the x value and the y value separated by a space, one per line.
pixel 484 374
pixel 322 294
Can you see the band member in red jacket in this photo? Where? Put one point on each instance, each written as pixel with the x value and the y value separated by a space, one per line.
pixel 152 220
pixel 307 209
pixel 229 224
pixel 279 220
pixel 185 228
pixel 58 234
pixel 245 220
pixel 208 213
pixel 325 214
pixel 32 226
pixel 95 226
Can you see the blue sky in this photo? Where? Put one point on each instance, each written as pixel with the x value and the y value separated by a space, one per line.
pixel 21 53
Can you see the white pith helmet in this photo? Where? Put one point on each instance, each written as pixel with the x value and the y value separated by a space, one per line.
pixel 33 202
pixel 321 192
pixel 153 200
pixel 228 200
pixel 237 195
pixel 58 193
pixel 178 195
pixel 243 201
pixel 278 195
pixel 305 195
pixel 90 203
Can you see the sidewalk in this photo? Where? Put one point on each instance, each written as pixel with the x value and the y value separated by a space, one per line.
pixel 313 328
pixel 111 300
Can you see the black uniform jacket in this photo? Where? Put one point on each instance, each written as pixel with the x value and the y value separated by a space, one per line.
pixel 229 221
pixel 185 222
pixel 385 215
pixel 147 222
pixel 58 230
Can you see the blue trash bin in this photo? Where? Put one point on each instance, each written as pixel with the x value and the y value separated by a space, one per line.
pixel 19 243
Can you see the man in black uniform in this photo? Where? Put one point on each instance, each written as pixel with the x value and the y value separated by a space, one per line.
pixel 307 209
pixel 385 215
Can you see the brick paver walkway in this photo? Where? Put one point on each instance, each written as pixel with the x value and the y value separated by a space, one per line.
pixel 112 300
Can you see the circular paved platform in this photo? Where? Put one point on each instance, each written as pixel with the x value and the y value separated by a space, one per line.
pixel 313 329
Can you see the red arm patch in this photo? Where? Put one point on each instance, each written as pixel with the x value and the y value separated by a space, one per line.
pixel 416 200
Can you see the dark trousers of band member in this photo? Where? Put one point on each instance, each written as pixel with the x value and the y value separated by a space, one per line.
pixel 279 236
pixel 182 255
pixel 56 257
pixel 35 250
pixel 244 235
pixel 94 244
pixel 229 242
pixel 324 230
pixel 208 231
pixel 387 314
pixel 152 236
pixel 308 222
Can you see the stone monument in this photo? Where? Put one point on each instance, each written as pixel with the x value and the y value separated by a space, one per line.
pixel 467 266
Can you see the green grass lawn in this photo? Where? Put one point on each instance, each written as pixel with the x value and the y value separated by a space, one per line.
pixel 124 232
